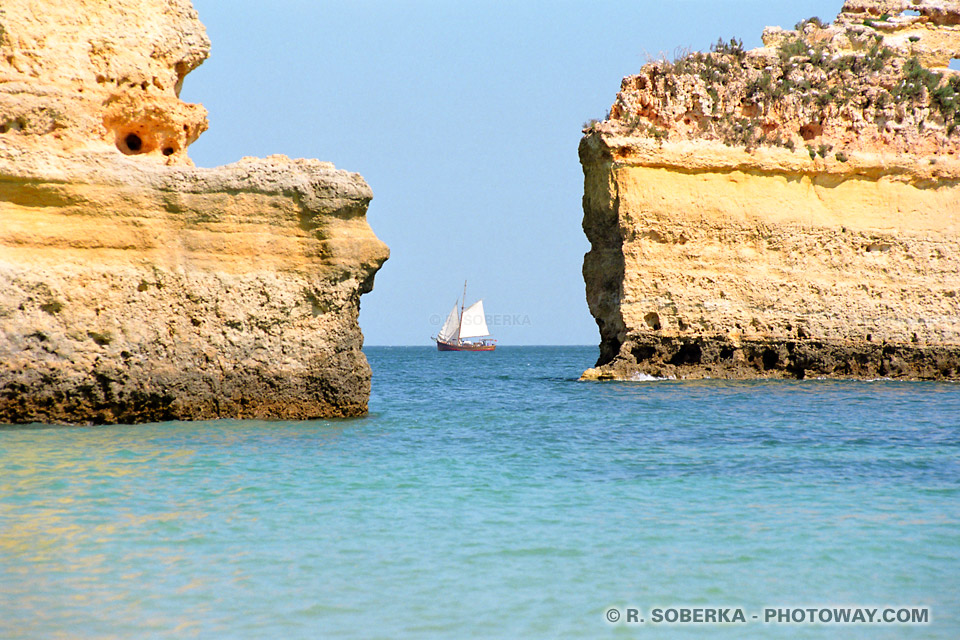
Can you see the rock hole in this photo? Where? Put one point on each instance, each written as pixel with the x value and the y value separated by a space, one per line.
pixel 726 353
pixel 642 353
pixel 910 12
pixel 652 320
pixel 688 354
pixel 770 359
pixel 955 64
pixel 168 151
pixel 133 142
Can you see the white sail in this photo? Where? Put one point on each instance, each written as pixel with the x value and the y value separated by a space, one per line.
pixel 449 331
pixel 474 324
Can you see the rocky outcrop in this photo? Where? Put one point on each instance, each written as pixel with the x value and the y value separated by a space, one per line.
pixel 790 211
pixel 136 287
pixel 89 75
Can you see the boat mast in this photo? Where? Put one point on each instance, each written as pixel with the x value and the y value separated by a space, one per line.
pixel 462 303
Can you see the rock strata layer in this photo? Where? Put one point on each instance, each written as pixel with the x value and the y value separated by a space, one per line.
pixel 792 211
pixel 135 287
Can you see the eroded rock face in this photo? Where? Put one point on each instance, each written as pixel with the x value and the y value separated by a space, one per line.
pixel 90 75
pixel 928 29
pixel 135 287
pixel 790 211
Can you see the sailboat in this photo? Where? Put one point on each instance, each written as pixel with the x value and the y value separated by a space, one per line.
pixel 462 326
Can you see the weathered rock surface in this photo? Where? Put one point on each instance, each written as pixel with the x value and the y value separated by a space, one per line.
pixel 89 75
pixel 791 211
pixel 135 287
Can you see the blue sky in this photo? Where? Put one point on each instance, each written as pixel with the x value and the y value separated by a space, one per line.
pixel 464 118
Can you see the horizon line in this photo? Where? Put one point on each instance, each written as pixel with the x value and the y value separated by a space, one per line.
pixel 498 345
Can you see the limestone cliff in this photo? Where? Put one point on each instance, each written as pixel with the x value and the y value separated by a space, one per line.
pixel 789 211
pixel 136 287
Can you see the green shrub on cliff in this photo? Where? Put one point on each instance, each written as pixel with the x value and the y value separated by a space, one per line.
pixel 792 49
pixel 732 48
pixel 657 133
pixel 915 79
pixel 761 88
pixel 737 94
pixel 874 58
pixel 813 20
pixel 947 98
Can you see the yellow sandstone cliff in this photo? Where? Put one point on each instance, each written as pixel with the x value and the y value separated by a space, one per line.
pixel 136 287
pixel 790 211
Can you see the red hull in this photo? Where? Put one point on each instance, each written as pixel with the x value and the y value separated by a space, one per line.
pixel 443 346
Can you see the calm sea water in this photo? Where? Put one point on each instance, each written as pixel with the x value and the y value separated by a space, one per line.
pixel 492 496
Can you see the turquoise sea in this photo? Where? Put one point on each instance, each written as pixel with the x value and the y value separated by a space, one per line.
pixel 493 496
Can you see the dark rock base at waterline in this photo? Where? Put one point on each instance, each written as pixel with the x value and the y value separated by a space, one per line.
pixel 112 395
pixel 720 357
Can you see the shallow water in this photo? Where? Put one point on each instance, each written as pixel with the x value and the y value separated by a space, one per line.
pixel 493 495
